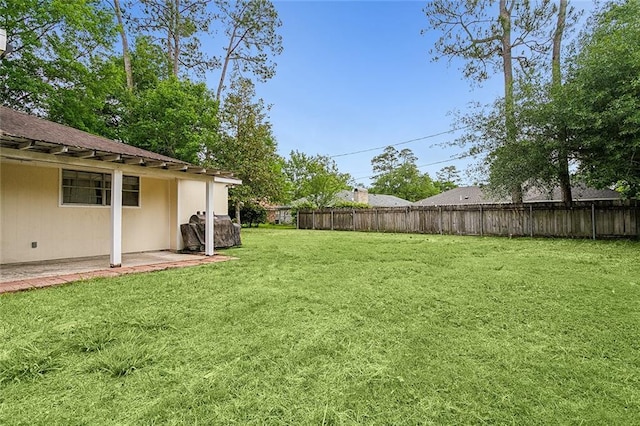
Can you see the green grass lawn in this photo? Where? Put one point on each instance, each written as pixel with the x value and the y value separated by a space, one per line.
pixel 337 328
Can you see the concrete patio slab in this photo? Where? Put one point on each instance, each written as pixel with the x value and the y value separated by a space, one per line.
pixel 23 276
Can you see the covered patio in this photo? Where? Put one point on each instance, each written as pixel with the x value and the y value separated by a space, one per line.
pixel 29 275
pixel 65 193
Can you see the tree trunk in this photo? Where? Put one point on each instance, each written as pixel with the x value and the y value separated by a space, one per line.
pixel 509 105
pixel 556 82
pixel 176 38
pixel 225 64
pixel 238 204
pixel 125 45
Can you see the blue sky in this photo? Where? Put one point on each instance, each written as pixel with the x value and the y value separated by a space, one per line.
pixel 356 75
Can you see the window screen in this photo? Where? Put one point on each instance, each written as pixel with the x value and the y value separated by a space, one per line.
pixel 92 188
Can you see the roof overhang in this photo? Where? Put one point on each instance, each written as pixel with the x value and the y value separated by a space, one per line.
pixel 21 150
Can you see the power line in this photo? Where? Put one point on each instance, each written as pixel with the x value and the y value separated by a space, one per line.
pixel 400 143
pixel 453 158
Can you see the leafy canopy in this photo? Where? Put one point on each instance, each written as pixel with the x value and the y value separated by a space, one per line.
pixel 315 178
pixel 397 174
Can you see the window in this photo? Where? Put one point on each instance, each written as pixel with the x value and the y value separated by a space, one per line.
pixel 92 188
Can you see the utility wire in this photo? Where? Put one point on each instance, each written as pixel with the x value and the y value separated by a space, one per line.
pixel 455 157
pixel 400 143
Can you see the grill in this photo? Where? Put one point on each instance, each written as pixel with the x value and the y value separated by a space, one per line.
pixel 225 233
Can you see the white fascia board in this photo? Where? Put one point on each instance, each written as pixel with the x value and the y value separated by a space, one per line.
pixel 227 180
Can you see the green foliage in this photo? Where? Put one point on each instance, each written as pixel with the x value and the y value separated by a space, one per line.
pixel 148 64
pixel 604 99
pixel 349 205
pixel 398 175
pixel 176 118
pixel 95 102
pixel 253 214
pixel 448 178
pixel 65 66
pixel 298 205
pixel 247 147
pixel 178 26
pixel 315 178
pixel 515 38
pixel 592 120
pixel 56 45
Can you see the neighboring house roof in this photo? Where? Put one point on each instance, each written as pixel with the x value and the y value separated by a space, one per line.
pixel 579 192
pixel 459 196
pixel 26 132
pixel 476 195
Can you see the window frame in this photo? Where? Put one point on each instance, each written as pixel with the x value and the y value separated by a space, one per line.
pixel 104 187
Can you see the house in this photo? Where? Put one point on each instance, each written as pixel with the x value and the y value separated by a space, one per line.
pixel 476 195
pixel 65 193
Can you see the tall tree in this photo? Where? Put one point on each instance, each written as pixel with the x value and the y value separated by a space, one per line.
pixel 397 174
pixel 126 56
pixel 447 178
pixel 604 92
pixel 247 147
pixel 178 25
pixel 250 27
pixel 315 178
pixel 491 39
pixel 556 83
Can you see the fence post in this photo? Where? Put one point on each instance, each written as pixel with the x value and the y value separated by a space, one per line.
pixel 531 220
pixel 593 220
pixel 406 220
pixel 353 220
pixel 313 220
pixel 332 219
pixel 440 208
pixel 377 221
pixel 481 222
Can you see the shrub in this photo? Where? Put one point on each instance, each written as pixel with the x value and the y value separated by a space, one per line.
pixel 350 205
pixel 251 213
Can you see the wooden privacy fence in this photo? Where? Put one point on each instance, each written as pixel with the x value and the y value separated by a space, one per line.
pixel 598 219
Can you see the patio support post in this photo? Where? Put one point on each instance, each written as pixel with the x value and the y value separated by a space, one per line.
pixel 115 257
pixel 208 224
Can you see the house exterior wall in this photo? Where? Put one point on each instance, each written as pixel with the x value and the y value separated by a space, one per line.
pixel 192 199
pixel 30 211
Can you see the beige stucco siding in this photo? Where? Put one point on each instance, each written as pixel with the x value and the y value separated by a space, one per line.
pixel 147 227
pixel 30 211
pixel 192 199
